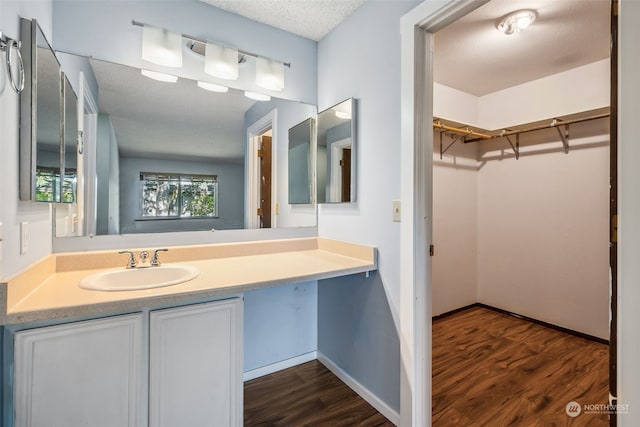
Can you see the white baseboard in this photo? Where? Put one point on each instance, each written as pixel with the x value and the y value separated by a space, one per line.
pixel 361 390
pixel 278 366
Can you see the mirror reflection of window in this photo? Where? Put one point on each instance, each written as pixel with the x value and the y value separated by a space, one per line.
pixel 178 196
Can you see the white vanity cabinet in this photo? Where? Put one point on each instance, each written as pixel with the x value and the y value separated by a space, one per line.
pixel 195 365
pixel 178 366
pixel 80 374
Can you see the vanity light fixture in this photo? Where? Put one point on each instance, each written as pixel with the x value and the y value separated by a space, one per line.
pixel 162 77
pixel 161 46
pixel 516 21
pixel 269 74
pixel 257 96
pixel 221 61
pixel 212 87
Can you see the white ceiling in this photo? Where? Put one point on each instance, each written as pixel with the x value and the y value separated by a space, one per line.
pixel 312 19
pixel 473 56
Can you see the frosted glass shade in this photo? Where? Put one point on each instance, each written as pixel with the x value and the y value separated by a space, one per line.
pixel 269 74
pixel 221 61
pixel 161 46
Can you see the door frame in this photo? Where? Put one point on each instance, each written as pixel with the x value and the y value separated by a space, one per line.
pixel 335 179
pixel 252 169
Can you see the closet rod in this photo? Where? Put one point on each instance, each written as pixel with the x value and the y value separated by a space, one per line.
pixel 555 123
pixel 468 132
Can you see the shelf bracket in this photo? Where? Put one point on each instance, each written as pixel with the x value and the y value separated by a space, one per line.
pixel 455 139
pixel 516 148
pixel 563 135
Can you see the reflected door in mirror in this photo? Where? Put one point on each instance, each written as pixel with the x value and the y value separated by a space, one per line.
pixel 265 182
pixel 336 154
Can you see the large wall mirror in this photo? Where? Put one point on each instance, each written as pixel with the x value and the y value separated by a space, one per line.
pixel 336 154
pixel 173 156
pixel 40 118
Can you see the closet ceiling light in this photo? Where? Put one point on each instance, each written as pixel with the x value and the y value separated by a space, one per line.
pixel 213 87
pixel 162 77
pixel 161 46
pixel 516 21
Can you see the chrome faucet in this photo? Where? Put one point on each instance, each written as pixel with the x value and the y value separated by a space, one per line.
pixel 132 259
pixel 144 259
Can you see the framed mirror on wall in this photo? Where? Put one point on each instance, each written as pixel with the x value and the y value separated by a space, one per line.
pixel 336 154
pixel 41 149
pixel 301 143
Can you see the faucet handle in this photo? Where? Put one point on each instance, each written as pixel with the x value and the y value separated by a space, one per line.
pixel 132 258
pixel 154 261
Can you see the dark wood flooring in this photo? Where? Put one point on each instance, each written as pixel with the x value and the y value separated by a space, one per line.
pixel 306 395
pixel 492 369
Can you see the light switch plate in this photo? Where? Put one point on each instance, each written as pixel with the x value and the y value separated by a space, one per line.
pixel 396 210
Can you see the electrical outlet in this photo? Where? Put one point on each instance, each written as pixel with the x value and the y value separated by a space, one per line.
pixel 396 210
pixel 24 237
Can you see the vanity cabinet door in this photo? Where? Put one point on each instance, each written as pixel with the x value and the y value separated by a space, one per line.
pixel 195 373
pixel 80 374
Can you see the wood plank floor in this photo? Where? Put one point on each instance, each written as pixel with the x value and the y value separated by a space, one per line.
pixel 491 369
pixel 306 395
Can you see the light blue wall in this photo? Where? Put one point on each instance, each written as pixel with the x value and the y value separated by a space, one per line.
pixel 359 317
pixel 230 195
pixel 292 332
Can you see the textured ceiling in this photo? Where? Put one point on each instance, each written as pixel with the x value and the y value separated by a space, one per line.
pixel 312 19
pixel 473 56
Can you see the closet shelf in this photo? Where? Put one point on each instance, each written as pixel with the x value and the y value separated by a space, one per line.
pixel 463 133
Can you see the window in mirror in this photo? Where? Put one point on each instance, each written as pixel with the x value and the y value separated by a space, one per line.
pixel 336 154
pixel 300 163
pixel 178 196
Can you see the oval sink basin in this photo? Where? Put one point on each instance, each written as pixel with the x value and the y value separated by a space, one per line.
pixel 139 278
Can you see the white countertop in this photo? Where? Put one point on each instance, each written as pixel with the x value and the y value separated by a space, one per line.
pixel 54 294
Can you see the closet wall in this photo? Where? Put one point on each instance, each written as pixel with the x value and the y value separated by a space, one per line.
pixel 529 235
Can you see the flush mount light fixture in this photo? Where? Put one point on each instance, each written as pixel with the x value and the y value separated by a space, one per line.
pixel 162 77
pixel 516 21
pixel 269 74
pixel 161 46
pixel 221 61
pixel 213 87
pixel 257 96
